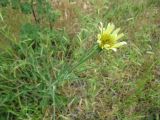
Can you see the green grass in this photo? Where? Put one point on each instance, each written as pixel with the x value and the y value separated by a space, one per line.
pixel 122 85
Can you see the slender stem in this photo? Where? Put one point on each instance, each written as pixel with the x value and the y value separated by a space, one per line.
pixel 50 25
pixel 33 12
pixel 67 69
pixel 83 59
pixel 54 102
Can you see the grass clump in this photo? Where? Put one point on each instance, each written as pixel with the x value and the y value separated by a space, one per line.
pixel 112 86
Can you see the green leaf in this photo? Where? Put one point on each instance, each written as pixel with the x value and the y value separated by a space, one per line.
pixel 4 3
pixel 60 100
pixel 40 9
pixel 15 4
pixel 30 31
pixel 54 15
pixel 40 2
pixel 26 8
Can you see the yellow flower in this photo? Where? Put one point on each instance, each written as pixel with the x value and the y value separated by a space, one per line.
pixel 108 38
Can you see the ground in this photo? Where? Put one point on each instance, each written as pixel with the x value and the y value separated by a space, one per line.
pixel 122 85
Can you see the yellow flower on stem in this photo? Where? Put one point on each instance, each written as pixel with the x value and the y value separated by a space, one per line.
pixel 108 38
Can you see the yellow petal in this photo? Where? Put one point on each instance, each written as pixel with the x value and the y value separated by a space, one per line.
pixel 119 36
pixel 101 26
pixel 110 28
pixel 114 49
pixel 119 44
pixel 116 31
pixel 107 46
pixel 98 41
pixel 99 36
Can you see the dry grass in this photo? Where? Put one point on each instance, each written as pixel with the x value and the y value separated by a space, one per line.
pixel 117 86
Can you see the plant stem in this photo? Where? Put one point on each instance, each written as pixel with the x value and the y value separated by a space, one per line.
pixel 33 12
pixel 67 69
pixel 84 58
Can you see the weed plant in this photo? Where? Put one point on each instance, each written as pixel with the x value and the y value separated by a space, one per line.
pixel 41 70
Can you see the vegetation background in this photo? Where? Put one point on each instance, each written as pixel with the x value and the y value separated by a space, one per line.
pixel 122 85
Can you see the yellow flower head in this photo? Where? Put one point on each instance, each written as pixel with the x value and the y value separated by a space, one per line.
pixel 108 38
